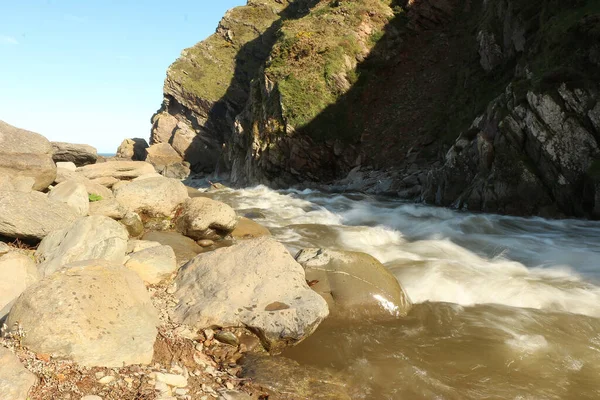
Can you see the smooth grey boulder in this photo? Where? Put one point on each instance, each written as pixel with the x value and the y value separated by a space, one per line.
pixel 79 154
pixel 88 238
pixel 17 272
pixel 202 217
pixel 154 197
pixel 32 215
pixel 153 264
pixel 94 312
pixel 15 380
pixel 72 193
pixel 109 208
pixel 254 284
pixel 355 285
pixel 25 153
pixel 167 161
pixel 116 169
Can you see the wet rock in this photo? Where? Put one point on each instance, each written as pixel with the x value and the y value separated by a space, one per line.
pixel 133 223
pixel 73 194
pixel 109 208
pixel 79 154
pixel 355 285
pixel 32 215
pixel 17 272
pixel 257 285
pixel 167 161
pixel 185 248
pixel 15 380
pixel 201 218
pixel 155 197
pixel 116 169
pixel 248 229
pixel 95 313
pixel 133 149
pixel 285 378
pixel 26 154
pixel 153 264
pixel 88 238
pixel 227 338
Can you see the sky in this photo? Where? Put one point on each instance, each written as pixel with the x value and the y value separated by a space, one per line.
pixel 92 71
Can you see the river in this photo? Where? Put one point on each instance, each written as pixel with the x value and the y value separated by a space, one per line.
pixel 505 307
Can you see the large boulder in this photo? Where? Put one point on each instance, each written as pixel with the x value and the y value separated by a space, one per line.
pixel 72 193
pixel 15 380
pixel 153 264
pixel 79 154
pixel 17 272
pixel 116 169
pixel 185 248
pixel 133 149
pixel 155 197
pixel 109 208
pixel 32 215
pixel 93 188
pixel 88 238
pixel 355 285
pixel 254 284
pixel 203 218
pixel 249 229
pixel 167 161
pixel 25 153
pixel 95 313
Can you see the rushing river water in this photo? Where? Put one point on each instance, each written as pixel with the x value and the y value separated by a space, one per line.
pixel 505 308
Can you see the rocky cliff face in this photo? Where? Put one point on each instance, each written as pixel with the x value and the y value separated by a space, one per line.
pixel 287 92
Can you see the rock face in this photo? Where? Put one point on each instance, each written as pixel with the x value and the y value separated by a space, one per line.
pixel 116 169
pixel 32 215
pixel 355 285
pixel 79 154
pixel 133 149
pixel 94 313
pixel 257 284
pixel 203 218
pixel 155 197
pixel 73 194
pixel 154 264
pixel 90 238
pixel 27 154
pixel 17 272
pixel 15 380
pixel 167 161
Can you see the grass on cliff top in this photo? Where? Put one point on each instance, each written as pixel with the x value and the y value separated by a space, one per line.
pixel 206 70
pixel 314 58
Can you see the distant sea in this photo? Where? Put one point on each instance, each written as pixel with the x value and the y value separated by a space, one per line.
pixel 107 154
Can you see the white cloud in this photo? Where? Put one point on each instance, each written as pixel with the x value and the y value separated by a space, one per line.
pixel 8 40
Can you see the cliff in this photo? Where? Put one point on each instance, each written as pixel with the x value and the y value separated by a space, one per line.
pixel 481 105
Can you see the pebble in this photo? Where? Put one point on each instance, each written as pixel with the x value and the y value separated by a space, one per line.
pixel 209 333
pixel 162 388
pixel 172 379
pixel 99 374
pixel 106 380
pixel 91 397
pixel 181 391
pixel 205 243
pixel 172 289
pixel 227 338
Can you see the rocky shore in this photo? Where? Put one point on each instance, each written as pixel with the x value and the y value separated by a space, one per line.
pixel 119 282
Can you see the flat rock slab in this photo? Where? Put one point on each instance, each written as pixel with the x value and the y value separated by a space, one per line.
pixel 79 154
pixel 32 215
pixel 92 188
pixel 254 284
pixel 116 169
pixel 155 196
pixel 94 312
pixel 89 238
pixel 15 380
pixel 184 247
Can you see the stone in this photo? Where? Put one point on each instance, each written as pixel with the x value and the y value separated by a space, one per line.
pixel 248 229
pixel 173 380
pixel 133 149
pixel 135 245
pixel 355 285
pixel 92 188
pixel 109 208
pixel 284 378
pixel 91 397
pixel 79 154
pixel 154 264
pixel 154 197
pixel 4 248
pixel 255 284
pixel 202 217
pixel 163 127
pixel 95 313
pixel 32 215
pixel 16 184
pixel 73 194
pixel 15 380
pixel 227 338
pixel 205 243
pixel 68 165
pixel 27 154
pixel 106 181
pixel 17 272
pixel 133 223
pixel 490 52
pixel 105 380
pixel 116 169
pixel 185 248
pixel 88 238
pixel 167 161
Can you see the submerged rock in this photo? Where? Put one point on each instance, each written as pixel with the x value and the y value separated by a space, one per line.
pixel 254 284
pixel 95 313
pixel 248 229
pixel 355 285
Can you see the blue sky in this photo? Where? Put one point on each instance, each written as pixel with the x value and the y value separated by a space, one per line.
pixel 91 71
